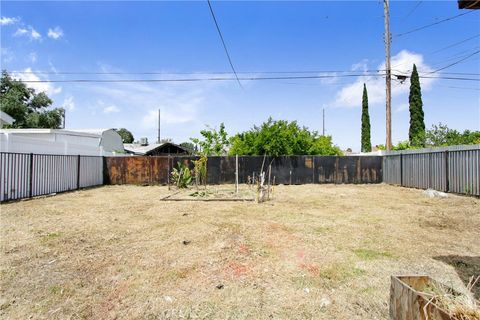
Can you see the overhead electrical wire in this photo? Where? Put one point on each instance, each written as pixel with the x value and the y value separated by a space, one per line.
pixel 332 73
pixel 223 42
pixel 431 24
pixel 230 79
pixel 413 10
pixel 456 62
pixel 455 44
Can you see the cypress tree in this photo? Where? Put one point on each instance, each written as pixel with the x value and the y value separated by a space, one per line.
pixel 366 144
pixel 416 133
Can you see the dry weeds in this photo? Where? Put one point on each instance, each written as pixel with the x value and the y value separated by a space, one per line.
pixel 314 252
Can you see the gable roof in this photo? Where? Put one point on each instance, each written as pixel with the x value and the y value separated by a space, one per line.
pixel 139 149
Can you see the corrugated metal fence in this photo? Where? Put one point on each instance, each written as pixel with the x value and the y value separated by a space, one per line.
pixel 449 169
pixel 25 175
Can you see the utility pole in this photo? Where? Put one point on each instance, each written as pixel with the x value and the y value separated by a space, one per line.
pixel 388 39
pixel 323 126
pixel 158 138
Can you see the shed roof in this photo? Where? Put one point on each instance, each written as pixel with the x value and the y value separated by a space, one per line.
pixel 139 149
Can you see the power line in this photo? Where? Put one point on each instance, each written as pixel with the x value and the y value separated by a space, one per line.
pixel 413 10
pixel 464 88
pixel 456 62
pixel 332 73
pixel 455 44
pixel 186 73
pixel 223 42
pixel 230 79
pixel 431 24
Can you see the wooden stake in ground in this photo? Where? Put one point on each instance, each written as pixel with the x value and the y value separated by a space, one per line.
pixel 236 173
pixel 269 175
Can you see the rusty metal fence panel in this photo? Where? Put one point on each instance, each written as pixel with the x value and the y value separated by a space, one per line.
pixel 28 175
pixel 449 169
pixel 285 169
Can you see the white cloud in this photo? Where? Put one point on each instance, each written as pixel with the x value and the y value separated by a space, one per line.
pixel 55 33
pixel 5 21
pixel 111 109
pixel 362 65
pixel 351 94
pixel 29 75
pixel 32 57
pixel 7 55
pixel 68 103
pixel 402 107
pixel 29 32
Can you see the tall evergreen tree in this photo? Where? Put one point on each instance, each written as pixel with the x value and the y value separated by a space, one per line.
pixel 416 133
pixel 366 143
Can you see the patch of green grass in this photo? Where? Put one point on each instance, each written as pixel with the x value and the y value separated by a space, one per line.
pixel 321 230
pixel 50 236
pixel 368 254
pixel 201 194
pixel 56 289
pixel 341 272
pixel 331 275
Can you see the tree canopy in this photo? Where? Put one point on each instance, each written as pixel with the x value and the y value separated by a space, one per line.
pixel 440 135
pixel 190 147
pixel 281 137
pixel 214 142
pixel 127 136
pixel 28 108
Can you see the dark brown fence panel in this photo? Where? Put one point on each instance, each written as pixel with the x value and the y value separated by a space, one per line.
pixel 285 169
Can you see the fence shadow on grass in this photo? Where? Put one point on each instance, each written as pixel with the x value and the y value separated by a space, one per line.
pixel 466 267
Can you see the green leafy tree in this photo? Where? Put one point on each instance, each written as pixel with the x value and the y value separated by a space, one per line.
pixel 190 147
pixel 27 108
pixel 440 135
pixel 416 133
pixel 366 143
pixel 214 143
pixel 126 135
pixel 281 137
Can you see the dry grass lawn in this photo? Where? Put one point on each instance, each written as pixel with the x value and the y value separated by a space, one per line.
pixel 314 252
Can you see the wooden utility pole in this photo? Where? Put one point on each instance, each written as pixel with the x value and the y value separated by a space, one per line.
pixel 388 39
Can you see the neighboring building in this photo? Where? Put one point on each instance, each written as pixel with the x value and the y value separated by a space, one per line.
pixel 5 118
pixel 154 149
pixel 98 142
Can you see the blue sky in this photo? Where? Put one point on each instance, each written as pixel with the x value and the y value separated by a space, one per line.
pixel 180 37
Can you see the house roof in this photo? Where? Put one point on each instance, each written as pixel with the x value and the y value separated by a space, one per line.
pixel 59 131
pixel 139 149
